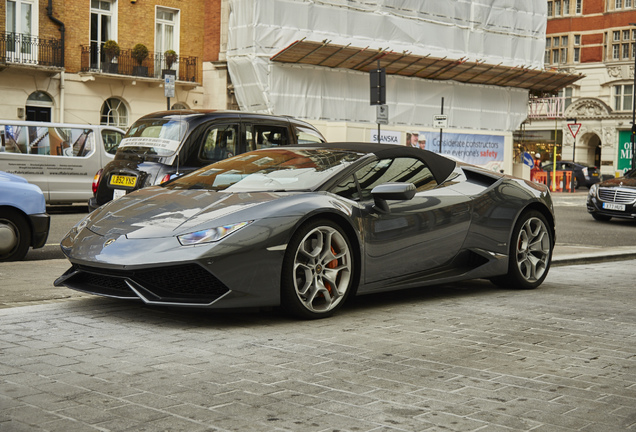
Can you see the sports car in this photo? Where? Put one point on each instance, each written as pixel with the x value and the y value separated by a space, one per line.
pixel 308 226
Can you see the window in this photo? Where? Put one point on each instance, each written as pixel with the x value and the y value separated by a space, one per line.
pixel 306 135
pixel 617 36
pixel 577 39
pixel 220 142
pixel 579 7
pixel 264 136
pixel 628 3
pixel 623 97
pixel 555 41
pixel 625 34
pixel 567 94
pixel 557 8
pixel 577 55
pixel 625 51
pixel 410 170
pixel 114 113
pixel 564 41
pixel 566 7
pixel 111 139
pixel 549 8
pixel 616 51
pixel 618 4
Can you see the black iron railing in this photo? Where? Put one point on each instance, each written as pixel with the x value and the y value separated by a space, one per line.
pixel 31 50
pixel 94 59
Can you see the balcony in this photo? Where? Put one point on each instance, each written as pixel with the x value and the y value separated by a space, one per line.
pixel 30 50
pixel 95 60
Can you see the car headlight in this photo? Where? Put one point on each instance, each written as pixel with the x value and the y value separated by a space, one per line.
pixel 593 190
pixel 73 232
pixel 210 235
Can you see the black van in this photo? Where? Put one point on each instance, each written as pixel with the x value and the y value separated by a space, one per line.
pixel 165 144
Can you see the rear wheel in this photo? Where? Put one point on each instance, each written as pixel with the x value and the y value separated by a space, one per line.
pixel 530 253
pixel 15 236
pixel 317 270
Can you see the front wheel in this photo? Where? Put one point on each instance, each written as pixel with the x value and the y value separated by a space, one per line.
pixel 15 236
pixel 530 253
pixel 317 270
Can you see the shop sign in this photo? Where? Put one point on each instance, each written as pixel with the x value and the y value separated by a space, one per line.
pixel 624 157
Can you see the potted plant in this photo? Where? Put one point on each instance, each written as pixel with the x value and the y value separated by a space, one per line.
pixel 140 53
pixel 170 56
pixel 111 51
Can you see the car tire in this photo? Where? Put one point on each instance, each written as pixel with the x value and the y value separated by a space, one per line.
pixel 15 236
pixel 600 217
pixel 531 247
pixel 318 270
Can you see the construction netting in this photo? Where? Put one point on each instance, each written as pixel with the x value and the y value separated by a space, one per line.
pixel 507 32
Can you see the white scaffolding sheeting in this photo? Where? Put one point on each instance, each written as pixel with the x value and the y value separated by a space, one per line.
pixel 506 32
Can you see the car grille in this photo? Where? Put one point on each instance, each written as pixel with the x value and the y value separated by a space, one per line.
pixel 187 283
pixel 615 195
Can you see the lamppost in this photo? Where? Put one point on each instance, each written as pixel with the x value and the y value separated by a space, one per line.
pixel 633 111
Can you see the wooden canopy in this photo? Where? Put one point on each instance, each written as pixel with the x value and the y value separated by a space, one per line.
pixel 433 68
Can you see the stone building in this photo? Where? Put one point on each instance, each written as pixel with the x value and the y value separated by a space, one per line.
pixel 595 38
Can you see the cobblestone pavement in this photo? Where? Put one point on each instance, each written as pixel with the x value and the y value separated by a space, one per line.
pixel 462 357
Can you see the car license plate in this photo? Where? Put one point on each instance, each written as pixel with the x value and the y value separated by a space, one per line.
pixel 118 193
pixel 595 174
pixel 123 180
pixel 612 206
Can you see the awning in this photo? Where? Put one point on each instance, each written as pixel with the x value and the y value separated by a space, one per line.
pixel 433 68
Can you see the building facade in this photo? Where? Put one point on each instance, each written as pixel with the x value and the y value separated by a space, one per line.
pixel 597 39
pixel 104 61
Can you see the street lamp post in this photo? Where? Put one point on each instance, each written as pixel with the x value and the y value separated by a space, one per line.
pixel 633 161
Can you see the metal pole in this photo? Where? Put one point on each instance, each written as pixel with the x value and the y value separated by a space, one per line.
pixel 378 133
pixel 440 129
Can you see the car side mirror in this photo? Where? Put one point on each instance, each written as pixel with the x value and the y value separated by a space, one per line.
pixel 395 191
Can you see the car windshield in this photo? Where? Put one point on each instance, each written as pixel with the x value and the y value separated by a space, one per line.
pixel 269 170
pixel 159 137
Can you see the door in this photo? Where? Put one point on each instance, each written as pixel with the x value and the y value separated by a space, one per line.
pixel 35 113
pixel 101 29
pixel 165 38
pixel 21 25
pixel 417 235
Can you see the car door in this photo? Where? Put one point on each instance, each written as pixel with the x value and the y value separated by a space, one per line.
pixel 416 235
pixel 265 134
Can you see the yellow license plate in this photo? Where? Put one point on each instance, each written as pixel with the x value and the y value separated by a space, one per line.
pixel 122 180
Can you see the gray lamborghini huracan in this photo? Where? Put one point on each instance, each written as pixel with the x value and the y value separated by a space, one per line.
pixel 307 226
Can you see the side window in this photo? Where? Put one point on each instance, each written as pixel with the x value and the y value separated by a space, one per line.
pixel 408 170
pixel 111 140
pixel 270 136
pixel 219 142
pixel 50 141
pixel 305 135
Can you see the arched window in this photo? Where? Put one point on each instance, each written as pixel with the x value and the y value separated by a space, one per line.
pixel 114 113
pixel 179 106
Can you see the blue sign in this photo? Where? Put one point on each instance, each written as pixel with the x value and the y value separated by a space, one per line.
pixel 528 159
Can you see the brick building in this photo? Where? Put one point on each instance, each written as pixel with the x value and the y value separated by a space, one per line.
pixel 594 38
pixel 54 65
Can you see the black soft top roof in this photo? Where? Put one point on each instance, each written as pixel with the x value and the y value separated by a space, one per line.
pixel 440 166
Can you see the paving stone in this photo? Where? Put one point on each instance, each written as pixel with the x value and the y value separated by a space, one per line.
pixel 463 357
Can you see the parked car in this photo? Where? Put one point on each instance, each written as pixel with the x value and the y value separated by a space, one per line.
pixel 583 175
pixel 24 222
pixel 60 158
pixel 306 227
pixel 166 144
pixel 613 198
